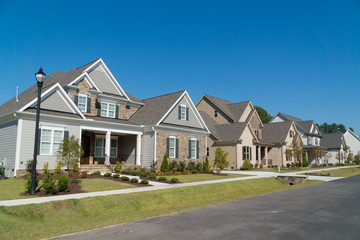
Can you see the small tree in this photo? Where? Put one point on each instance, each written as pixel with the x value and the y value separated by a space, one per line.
pixel 206 165
pixel 220 159
pixel 69 152
pixel 357 159
pixel 317 153
pixel 305 161
pixel 165 164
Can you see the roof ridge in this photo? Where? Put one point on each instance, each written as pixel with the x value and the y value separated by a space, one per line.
pixel 163 95
pixel 86 64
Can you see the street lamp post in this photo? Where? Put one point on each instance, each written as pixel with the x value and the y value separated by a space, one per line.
pixel 40 78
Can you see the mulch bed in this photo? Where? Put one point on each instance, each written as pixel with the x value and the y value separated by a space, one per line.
pixel 157 180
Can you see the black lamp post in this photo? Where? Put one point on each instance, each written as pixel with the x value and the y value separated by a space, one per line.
pixel 40 78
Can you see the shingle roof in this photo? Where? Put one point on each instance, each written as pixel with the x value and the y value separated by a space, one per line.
pixel 275 132
pixel 305 125
pixel 332 140
pixel 155 108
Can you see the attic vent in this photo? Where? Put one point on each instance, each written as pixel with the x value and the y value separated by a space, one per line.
pixel 127 107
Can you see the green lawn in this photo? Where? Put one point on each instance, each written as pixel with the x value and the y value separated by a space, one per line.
pixel 55 218
pixel 344 172
pixel 203 177
pixel 101 184
pixel 11 188
pixel 286 170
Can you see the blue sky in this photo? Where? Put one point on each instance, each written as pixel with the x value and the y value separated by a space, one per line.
pixel 301 58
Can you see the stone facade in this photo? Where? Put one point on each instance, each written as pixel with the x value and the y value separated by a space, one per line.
pixel 183 147
pixel 255 124
pixel 292 180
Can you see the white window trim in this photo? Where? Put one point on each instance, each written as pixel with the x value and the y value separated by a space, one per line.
pixel 246 152
pixel 172 137
pixel 52 129
pixel 86 99
pixel 107 109
pixel 193 150
pixel 183 106
pixel 103 141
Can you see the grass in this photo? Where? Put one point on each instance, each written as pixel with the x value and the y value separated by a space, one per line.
pixel 203 177
pixel 12 188
pixel 55 218
pixel 344 172
pixel 286 170
pixel 101 184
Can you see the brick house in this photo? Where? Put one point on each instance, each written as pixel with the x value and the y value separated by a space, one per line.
pixel 111 124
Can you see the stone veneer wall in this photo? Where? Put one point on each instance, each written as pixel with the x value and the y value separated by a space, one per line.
pixel 183 147
pixel 84 88
pixel 255 124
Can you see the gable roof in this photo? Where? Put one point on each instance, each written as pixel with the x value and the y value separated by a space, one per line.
pixel 288 117
pixel 333 141
pixel 275 132
pixel 352 134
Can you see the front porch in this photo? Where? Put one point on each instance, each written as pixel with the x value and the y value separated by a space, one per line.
pixel 262 155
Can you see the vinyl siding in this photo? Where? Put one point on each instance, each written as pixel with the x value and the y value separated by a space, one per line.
pixel 8 133
pixel 55 102
pixel 206 106
pixel 28 138
pixel 352 142
pixel 147 149
pixel 102 81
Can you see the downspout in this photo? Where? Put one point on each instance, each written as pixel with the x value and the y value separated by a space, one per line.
pixel 154 144
pixel 282 155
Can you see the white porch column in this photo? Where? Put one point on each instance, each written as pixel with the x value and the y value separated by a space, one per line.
pixel 266 156
pixel 107 148
pixel 138 149
pixel 259 154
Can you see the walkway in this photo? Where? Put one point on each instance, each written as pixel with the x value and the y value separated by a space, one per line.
pixel 161 186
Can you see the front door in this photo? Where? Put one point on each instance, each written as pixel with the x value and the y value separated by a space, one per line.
pixel 85 144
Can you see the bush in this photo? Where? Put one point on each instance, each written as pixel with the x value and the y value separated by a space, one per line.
pixel 174 166
pixel 206 165
pixel 305 161
pixel 199 167
pixel 159 173
pixel 134 172
pixel 261 166
pixel 96 173
pixel 331 164
pixel 75 167
pixel 165 164
pixel 221 158
pixel 174 180
pixel 134 180
pixel 190 166
pixel 126 171
pixel 118 166
pixel 169 173
pixel 144 174
pixel 116 175
pixel 83 174
pixel 177 173
pixel 107 174
pixel 195 171
pixel 2 172
pixel 357 159
pixel 144 181
pixel 288 165
pixel 29 166
pixel 247 164
pixel 182 166
pixel 125 178
pixel 256 165
pixel 162 178
pixel 340 164
pixel 152 176
pixel 49 183
pixel 186 172
pixel 46 168
pixel 58 167
pixel 63 183
pixel 28 183
pixel 298 164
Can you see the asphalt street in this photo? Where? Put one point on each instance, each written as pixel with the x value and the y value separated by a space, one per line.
pixel 329 210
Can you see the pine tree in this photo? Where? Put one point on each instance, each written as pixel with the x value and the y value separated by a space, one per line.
pixel 165 164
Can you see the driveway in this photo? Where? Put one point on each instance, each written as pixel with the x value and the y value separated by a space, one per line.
pixel 328 210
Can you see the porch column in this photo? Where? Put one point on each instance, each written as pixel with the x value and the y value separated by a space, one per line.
pixel 138 149
pixel 266 156
pixel 107 148
pixel 259 154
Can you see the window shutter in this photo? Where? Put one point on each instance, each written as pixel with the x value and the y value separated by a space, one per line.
pixel 66 134
pixel 179 112
pixel 39 142
pixel 98 106
pixel 243 150
pixel 167 147
pixel 189 148
pixel 88 105
pixel 250 154
pixel 187 114
pixel 197 149
pixel 76 99
pixel 117 112
pixel 177 148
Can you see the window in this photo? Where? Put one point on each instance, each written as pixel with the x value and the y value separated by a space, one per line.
pixel 50 140
pixel 107 110
pixel 183 112
pixel 309 140
pixel 172 147
pixel 82 102
pixel 316 141
pixel 216 113
pixel 246 152
pixel 192 148
pixel 256 132
pixel 291 133
pixel 207 151
pixel 288 157
pixel 100 146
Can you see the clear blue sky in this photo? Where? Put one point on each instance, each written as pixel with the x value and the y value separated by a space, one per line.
pixel 301 58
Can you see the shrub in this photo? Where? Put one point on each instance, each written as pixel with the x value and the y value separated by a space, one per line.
pixel 2 172
pixel 144 181
pixel 199 167
pixel 206 165
pixel 186 172
pixel 152 176
pixel 305 161
pixel 116 175
pixel 107 174
pixel 182 166
pixel 135 173
pixel 174 180
pixel 49 184
pixel 125 178
pixel 153 166
pixel 357 159
pixel 247 164
pixel 261 166
pixel 28 184
pixel 63 183
pixel 256 165
pixel 118 166
pixel 162 179
pixel 331 164
pixel 76 167
pixel 191 166
pixel 340 164
pixel 29 166
pixel 96 173
pixel 174 166
pixel 165 164
pixel 83 174
pixel 288 165
pixel 195 171
pixel 298 164
pixel 144 174
pixel 221 158
pixel 159 173
pixel 46 168
pixel 126 171
pixel 58 167
pixel 134 180
pixel 177 173
pixel 169 173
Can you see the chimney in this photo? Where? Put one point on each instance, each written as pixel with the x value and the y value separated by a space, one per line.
pixel 17 93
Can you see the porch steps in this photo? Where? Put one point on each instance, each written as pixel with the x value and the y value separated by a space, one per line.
pixel 94 168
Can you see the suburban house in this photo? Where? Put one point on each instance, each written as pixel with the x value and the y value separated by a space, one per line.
pixel 238 129
pixel 336 147
pixel 352 141
pixel 112 125
pixel 309 131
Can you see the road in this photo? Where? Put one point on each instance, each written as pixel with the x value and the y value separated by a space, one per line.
pixel 328 210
